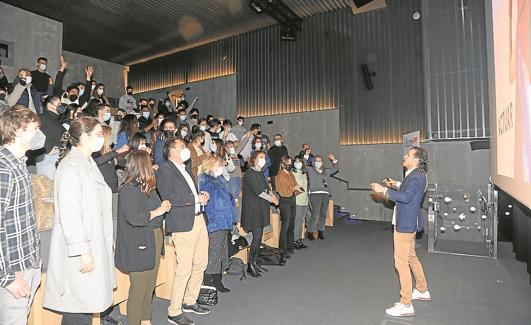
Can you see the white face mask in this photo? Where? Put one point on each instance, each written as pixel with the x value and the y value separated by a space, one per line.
pixel 318 164
pixel 42 67
pixel 232 151
pixel 213 147
pixel 146 115
pixel 35 139
pixel 167 104
pixel 81 92
pixel 97 144
pixel 28 80
pixel 182 117
pixel 184 133
pixel 100 91
pixel 218 171
pixel 218 131
pixel 160 120
pixel 258 146
pixel 202 128
pixel 185 154
pixel 298 165
pixel 92 87
pixel 142 146
pixel 278 143
pixel 107 116
pixel 261 162
pixel 240 123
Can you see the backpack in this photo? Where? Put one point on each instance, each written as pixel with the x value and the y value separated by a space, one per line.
pixel 236 267
pixel 268 255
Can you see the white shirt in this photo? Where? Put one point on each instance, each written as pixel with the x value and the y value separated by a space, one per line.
pixel 191 184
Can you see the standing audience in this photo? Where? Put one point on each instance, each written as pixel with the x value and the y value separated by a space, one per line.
pixel 299 171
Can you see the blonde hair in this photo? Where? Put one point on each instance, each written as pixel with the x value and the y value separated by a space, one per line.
pixel 107 132
pixel 209 164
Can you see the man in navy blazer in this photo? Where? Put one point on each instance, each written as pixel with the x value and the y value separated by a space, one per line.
pixel 187 224
pixel 407 220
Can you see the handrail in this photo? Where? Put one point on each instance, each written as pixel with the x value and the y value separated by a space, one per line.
pixel 348 185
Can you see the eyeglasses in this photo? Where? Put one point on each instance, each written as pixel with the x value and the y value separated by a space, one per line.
pixel 99 135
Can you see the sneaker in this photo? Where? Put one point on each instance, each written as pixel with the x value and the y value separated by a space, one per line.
pixel 180 320
pixel 400 310
pixel 417 295
pixel 196 309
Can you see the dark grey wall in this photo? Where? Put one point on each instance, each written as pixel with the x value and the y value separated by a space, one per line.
pixel 456 78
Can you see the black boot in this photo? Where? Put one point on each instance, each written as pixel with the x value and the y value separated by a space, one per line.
pixel 253 270
pixel 301 244
pixel 321 234
pixel 218 284
pixel 208 280
pixel 261 269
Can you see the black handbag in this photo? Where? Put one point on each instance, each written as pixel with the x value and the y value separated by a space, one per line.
pixel 208 296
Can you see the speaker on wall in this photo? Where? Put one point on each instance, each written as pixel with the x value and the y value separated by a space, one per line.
pixel 367 75
pixel 361 3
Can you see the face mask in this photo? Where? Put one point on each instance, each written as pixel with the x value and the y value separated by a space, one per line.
pixel 218 171
pixel 151 104
pixel 259 133
pixel 167 104
pixel 182 117
pixel 146 115
pixel 278 143
pixel 169 133
pixel 28 80
pixel 194 117
pixel 2 96
pixel 184 133
pixel 185 154
pixel 318 164
pixel 107 116
pixel 72 98
pixel 35 139
pixel 261 162
pixel 142 147
pixel 81 92
pixel 119 118
pixel 240 123
pixel 298 165
pixel 129 93
pixel 232 151
pixel 60 109
pixel 258 146
pixel 92 87
pixel 288 167
pixel 218 131
pixel 100 91
pixel 202 128
pixel 97 144
pixel 213 147
pixel 42 67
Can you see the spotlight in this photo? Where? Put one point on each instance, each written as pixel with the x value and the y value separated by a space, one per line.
pixel 443 229
pixel 507 213
pixel 484 217
pixel 255 7
pixel 462 216
pixel 445 214
pixel 447 199
pixel 457 227
pixel 472 209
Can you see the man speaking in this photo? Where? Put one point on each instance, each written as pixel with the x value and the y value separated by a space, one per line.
pixel 407 220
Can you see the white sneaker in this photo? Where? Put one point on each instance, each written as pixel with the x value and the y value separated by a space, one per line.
pixel 400 310
pixel 424 296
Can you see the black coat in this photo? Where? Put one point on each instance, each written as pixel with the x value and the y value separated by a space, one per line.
pixel 52 127
pixel 107 166
pixel 172 186
pixel 275 154
pixel 255 210
pixel 135 240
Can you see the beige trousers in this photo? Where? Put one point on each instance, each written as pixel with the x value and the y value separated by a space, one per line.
pixel 406 261
pixel 191 251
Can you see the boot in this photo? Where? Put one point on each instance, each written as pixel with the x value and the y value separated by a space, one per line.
pixel 321 234
pixel 261 269
pixel 208 280
pixel 253 270
pixel 283 256
pixel 310 236
pixel 301 244
pixel 218 284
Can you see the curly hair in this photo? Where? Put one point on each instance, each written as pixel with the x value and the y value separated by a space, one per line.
pixel 422 155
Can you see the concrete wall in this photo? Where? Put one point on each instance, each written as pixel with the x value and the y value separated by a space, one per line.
pixel 217 96
pixel 33 36
pixel 108 73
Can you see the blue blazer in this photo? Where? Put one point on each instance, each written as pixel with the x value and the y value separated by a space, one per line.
pixel 408 201
pixel 221 208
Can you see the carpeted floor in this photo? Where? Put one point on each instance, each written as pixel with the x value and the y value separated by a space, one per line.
pixel 349 279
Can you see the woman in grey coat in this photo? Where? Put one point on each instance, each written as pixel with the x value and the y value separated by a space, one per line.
pixel 80 276
pixel 320 193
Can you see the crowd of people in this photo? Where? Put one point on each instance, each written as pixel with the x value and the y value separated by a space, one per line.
pixel 158 167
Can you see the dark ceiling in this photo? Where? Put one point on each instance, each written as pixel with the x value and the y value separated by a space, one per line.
pixel 130 31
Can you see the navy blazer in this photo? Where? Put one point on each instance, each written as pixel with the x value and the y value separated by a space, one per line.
pixel 408 201
pixel 172 186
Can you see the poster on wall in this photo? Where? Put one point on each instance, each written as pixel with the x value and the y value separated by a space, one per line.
pixel 410 140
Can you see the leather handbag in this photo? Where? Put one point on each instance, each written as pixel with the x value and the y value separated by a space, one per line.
pixel 208 296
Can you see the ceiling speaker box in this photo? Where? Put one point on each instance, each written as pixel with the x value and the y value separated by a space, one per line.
pixel 362 6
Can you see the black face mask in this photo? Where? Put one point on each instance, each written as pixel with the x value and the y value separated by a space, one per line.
pixel 22 82
pixel 195 117
pixel 169 134
pixel 2 96
pixel 118 118
pixel 129 93
pixel 72 98
pixel 259 133
pixel 60 109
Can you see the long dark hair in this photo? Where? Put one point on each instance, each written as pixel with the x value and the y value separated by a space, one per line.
pixel 139 171
pixel 134 141
pixel 220 150
pixel 71 138
pixel 129 125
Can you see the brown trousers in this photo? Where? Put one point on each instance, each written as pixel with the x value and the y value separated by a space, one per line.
pixel 191 251
pixel 406 261
pixel 142 286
